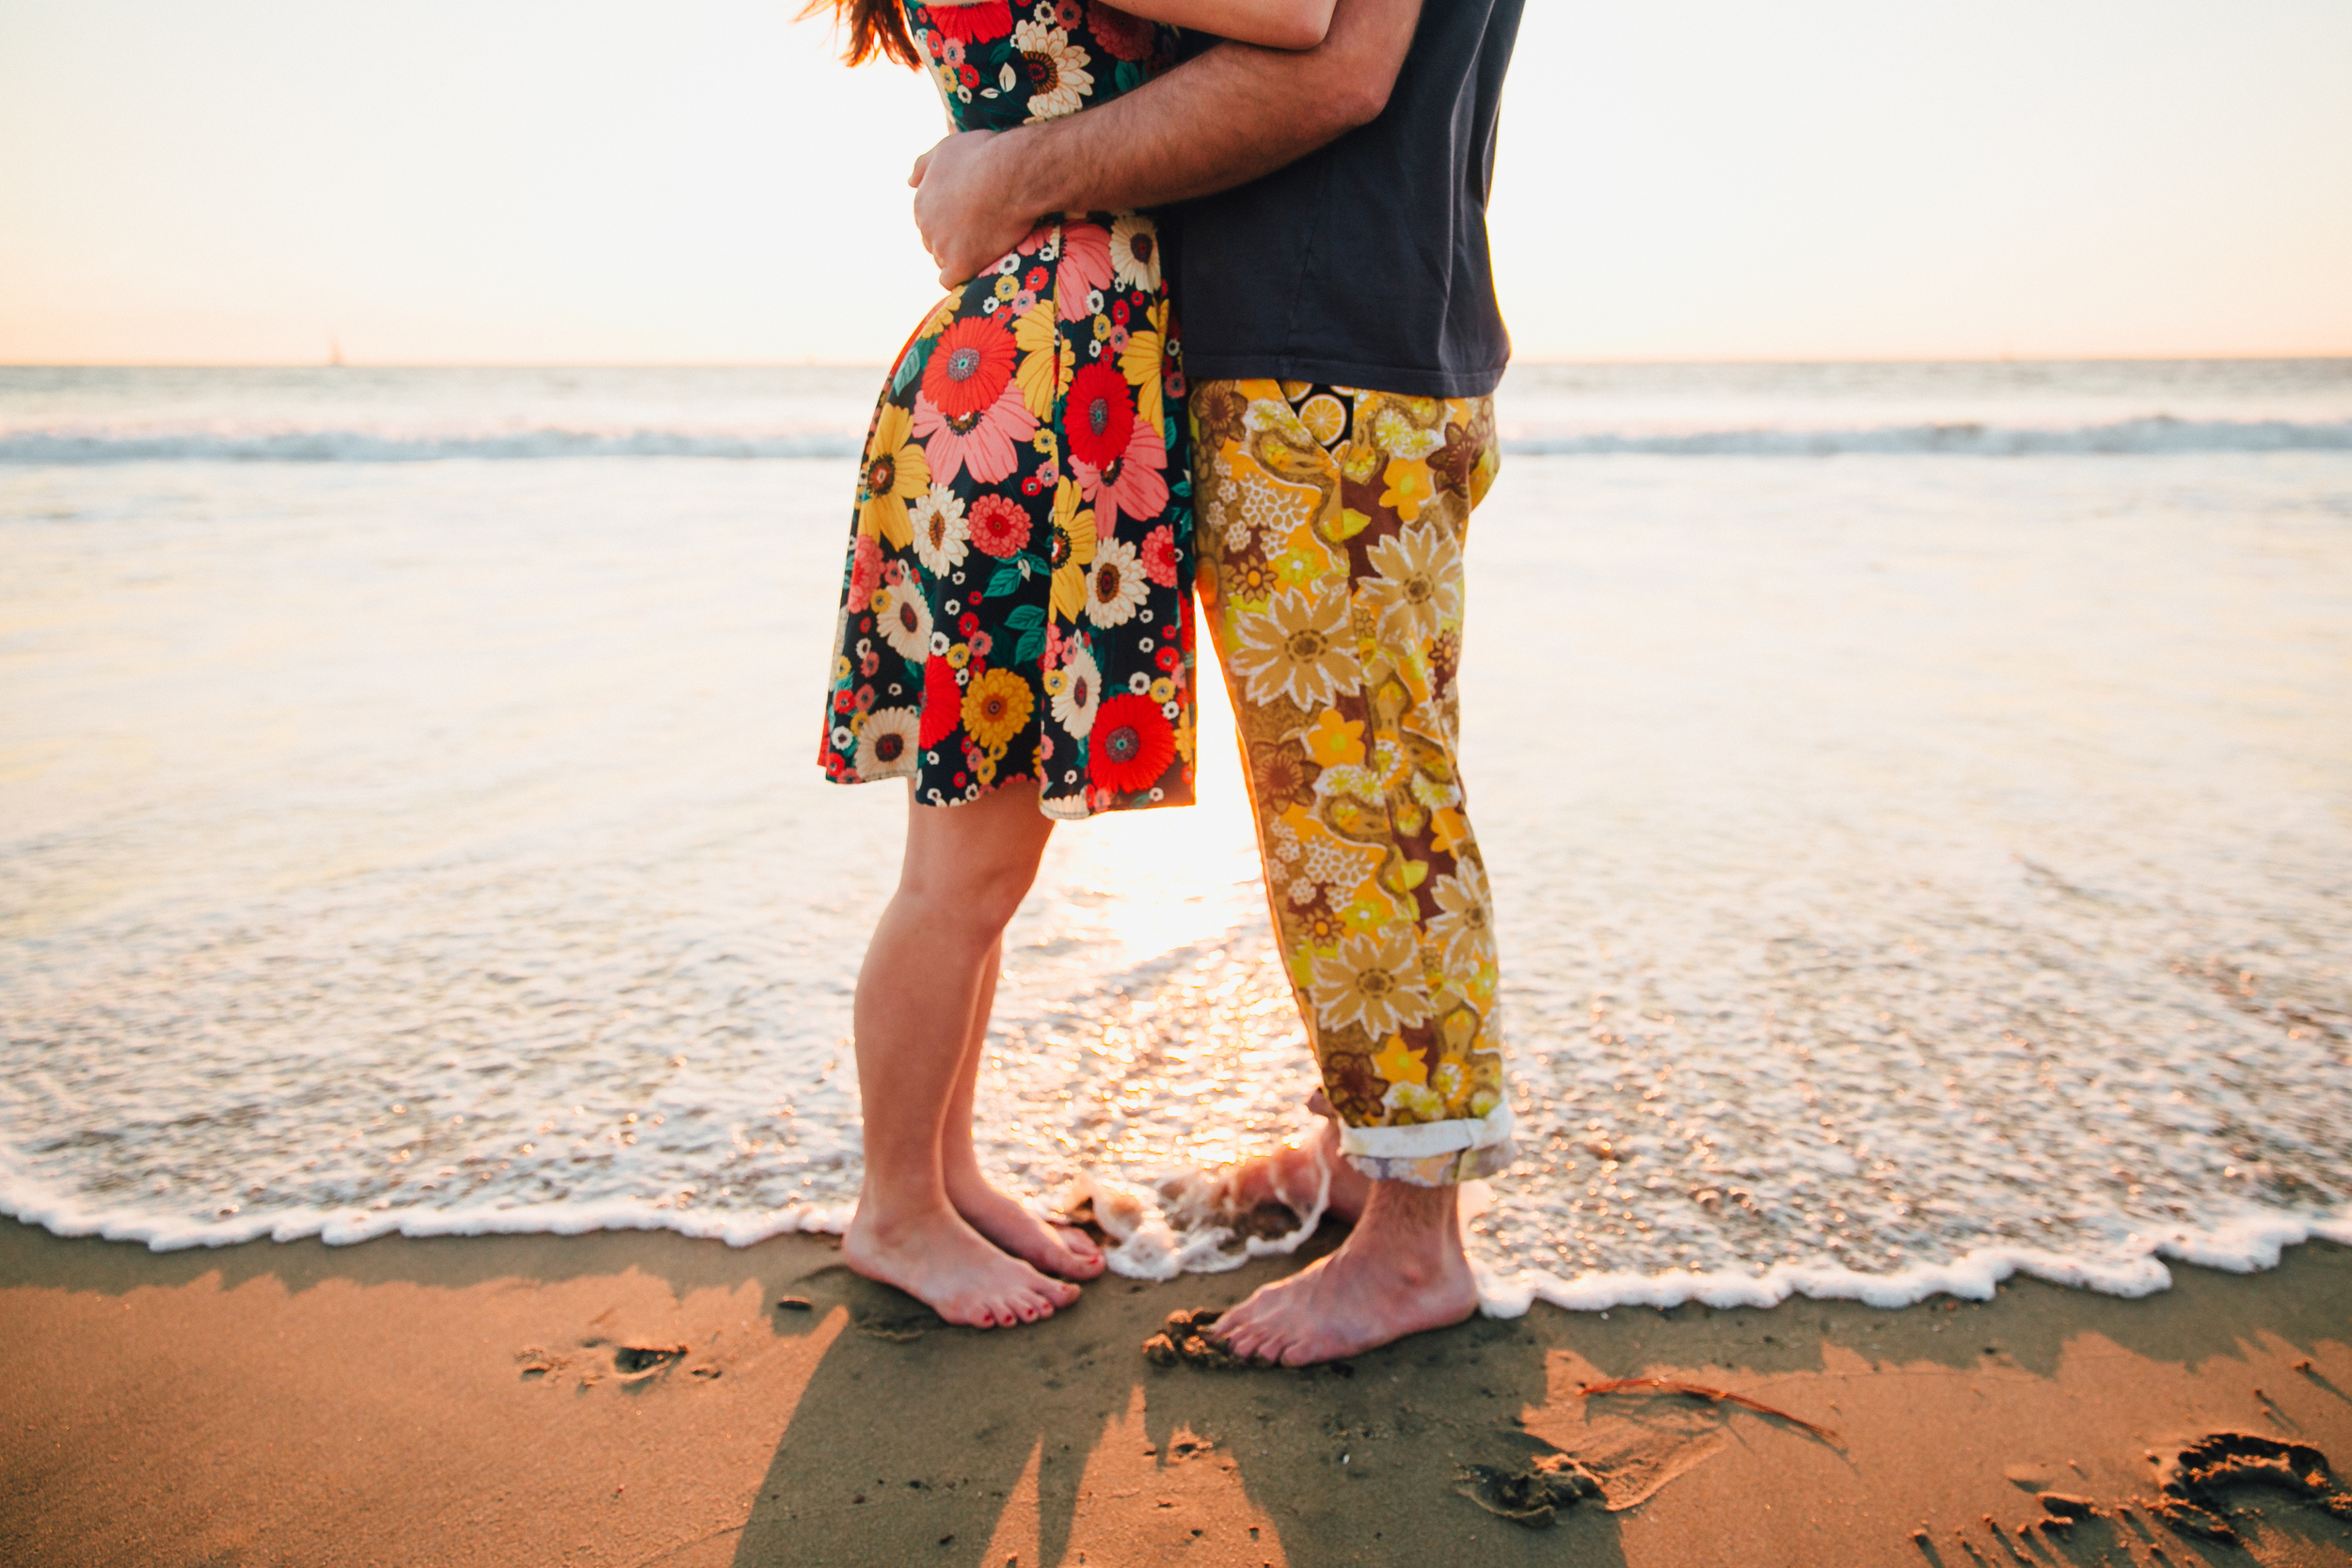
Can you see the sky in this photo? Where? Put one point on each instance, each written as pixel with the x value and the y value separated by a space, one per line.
pixel 588 182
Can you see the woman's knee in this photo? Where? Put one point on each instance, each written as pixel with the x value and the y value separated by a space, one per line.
pixel 976 900
pixel 971 869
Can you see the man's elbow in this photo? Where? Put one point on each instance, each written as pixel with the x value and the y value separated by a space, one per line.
pixel 1360 82
pixel 1357 102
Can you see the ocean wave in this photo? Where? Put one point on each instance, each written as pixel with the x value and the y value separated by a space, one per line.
pixel 2155 435
pixel 82 445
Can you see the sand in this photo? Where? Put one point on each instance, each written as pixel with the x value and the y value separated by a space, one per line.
pixel 631 1398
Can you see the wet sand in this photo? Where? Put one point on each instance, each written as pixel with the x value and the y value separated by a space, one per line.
pixel 631 1398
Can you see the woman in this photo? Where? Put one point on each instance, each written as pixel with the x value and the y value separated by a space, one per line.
pixel 1016 631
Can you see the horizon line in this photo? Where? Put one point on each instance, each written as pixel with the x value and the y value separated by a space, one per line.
pixel 348 364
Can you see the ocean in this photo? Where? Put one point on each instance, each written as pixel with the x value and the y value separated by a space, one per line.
pixel 1918 799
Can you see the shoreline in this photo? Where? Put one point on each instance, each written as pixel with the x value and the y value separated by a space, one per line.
pixel 2252 1244
pixel 631 1398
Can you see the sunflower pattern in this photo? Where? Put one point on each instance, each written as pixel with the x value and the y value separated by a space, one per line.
pixel 1332 523
pixel 1016 603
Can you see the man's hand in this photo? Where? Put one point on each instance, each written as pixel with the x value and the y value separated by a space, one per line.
pixel 966 205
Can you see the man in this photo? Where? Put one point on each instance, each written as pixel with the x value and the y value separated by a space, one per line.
pixel 1342 337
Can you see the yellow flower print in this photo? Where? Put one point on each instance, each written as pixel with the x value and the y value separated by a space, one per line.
pixel 1334 741
pixel 1400 1064
pixel 1374 981
pixel 995 707
pixel 1452 1082
pixel 1450 830
pixel 1077 531
pixel 1466 924
pixel 1408 486
pixel 896 472
pixel 1140 363
pixel 1043 374
pixel 958 654
pixel 1409 1103
pixel 1410 428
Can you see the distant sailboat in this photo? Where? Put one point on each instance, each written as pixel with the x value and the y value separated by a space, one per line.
pixel 334 351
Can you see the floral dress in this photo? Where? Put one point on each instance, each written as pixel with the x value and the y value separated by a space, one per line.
pixel 1016 602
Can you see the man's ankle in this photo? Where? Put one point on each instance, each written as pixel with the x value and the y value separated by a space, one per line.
pixel 1416 1227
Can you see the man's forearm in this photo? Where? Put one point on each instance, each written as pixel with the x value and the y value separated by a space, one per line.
pixel 1216 121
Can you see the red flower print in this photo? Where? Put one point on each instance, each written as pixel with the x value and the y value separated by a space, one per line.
pixel 1131 746
pixel 865 573
pixel 1166 656
pixel 1126 37
pixel 991 19
pixel 1086 263
pixel 1159 556
pixel 986 442
pixel 969 366
pixel 943 702
pixel 999 527
pixel 1131 484
pixel 1100 417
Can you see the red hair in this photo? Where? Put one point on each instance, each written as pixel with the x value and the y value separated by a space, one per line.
pixel 877 28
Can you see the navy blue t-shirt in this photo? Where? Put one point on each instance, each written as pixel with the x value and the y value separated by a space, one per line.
pixel 1365 263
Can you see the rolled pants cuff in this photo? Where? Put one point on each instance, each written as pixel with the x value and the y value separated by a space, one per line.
pixel 1433 1153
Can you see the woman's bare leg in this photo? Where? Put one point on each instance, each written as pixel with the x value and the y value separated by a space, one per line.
pixel 965 870
pixel 1058 1249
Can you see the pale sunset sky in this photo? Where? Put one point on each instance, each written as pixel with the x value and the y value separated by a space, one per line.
pixel 536 181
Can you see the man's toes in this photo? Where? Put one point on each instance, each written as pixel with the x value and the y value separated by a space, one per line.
pixel 1242 1339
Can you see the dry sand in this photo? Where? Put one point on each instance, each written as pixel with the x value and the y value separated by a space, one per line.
pixel 515 1400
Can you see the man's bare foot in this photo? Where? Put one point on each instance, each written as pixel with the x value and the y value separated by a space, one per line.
pixel 1293 1172
pixel 1061 1250
pixel 1400 1272
pixel 951 1268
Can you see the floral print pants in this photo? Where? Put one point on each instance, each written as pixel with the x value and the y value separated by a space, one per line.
pixel 1331 527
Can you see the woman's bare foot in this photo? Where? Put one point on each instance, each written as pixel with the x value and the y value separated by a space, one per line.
pixel 1060 1250
pixel 1400 1272
pixel 951 1268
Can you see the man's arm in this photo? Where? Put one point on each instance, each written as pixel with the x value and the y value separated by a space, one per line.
pixel 1220 120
